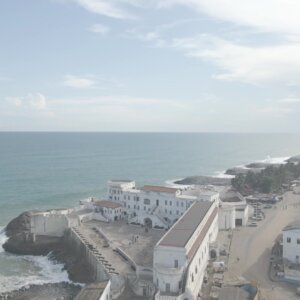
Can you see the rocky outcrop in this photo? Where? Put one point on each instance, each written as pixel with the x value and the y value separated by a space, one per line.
pixel 203 180
pixel 25 244
pixel 49 291
pixel 19 225
pixel 22 242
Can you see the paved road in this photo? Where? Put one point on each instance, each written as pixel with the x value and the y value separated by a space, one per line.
pixel 251 249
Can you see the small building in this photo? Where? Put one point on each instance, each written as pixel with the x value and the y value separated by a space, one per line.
pixel 234 210
pixel 182 254
pixel 291 242
pixel 110 210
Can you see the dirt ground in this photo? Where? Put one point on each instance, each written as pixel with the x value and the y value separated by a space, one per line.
pixel 250 250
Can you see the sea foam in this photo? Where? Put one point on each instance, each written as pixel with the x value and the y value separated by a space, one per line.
pixel 3 238
pixel 45 271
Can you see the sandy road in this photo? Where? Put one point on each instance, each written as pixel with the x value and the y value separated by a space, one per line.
pixel 251 249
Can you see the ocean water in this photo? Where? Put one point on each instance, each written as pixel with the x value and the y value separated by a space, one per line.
pixel 50 170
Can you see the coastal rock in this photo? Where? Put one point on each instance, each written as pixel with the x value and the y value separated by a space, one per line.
pixel 19 225
pixel 22 244
pixel 204 180
pixel 49 291
pixel 294 159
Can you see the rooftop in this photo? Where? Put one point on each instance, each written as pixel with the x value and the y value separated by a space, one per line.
pixel 292 226
pixel 183 229
pixel 93 291
pixel 81 212
pixel 232 196
pixel 159 189
pixel 107 204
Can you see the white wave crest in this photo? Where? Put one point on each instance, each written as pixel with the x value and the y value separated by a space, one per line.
pixel 44 271
pixel 3 238
pixel 223 175
pixel 275 160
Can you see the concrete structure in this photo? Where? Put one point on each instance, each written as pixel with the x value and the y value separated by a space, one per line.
pixel 155 206
pixel 234 210
pixel 181 256
pixel 95 291
pixel 291 243
pixel 54 222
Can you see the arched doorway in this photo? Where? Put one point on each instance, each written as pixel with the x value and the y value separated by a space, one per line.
pixel 148 222
pixel 213 254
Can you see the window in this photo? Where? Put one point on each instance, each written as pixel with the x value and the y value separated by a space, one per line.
pixel 288 239
pixel 177 212
pixel 147 201
pixel 170 212
pixel 182 204
pixel 166 202
pixel 168 288
pixel 196 269
pixel 170 202
pixel 166 211
pixel 144 207
pixel 177 203
pixel 176 263
pixel 192 277
pixel 298 241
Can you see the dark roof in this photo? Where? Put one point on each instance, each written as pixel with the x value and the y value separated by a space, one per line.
pixel 107 204
pixel 159 189
pixel 183 229
pixel 93 291
pixel 292 226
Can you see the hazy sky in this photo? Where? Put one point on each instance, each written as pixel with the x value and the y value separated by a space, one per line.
pixel 150 65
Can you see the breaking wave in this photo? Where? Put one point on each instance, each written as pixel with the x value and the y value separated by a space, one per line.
pixel 3 238
pixel 39 270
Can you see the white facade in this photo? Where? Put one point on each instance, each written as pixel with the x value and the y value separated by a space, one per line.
pixel 52 223
pixel 234 211
pixel 155 206
pixel 291 243
pixel 106 293
pixel 181 256
pixel 110 210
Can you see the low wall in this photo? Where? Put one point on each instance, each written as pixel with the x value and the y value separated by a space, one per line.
pixel 98 271
pixel 49 224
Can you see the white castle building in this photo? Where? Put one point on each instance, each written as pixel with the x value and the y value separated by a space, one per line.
pixel 155 206
pixel 181 256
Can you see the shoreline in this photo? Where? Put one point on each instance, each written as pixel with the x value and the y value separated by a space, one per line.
pixel 61 253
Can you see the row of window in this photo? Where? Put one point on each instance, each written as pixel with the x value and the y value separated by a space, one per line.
pixel 289 240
